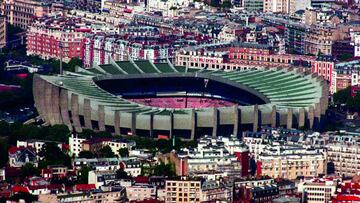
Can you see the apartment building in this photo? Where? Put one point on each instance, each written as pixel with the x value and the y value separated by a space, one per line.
pixel 319 39
pixel 280 6
pixel 75 145
pixel 56 37
pixel 3 32
pixel 344 152
pixel 21 13
pixel 218 154
pixel 289 162
pixel 317 190
pixel 140 192
pixel 345 74
pixel 183 191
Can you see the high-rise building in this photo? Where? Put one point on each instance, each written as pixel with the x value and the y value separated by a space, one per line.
pixel 254 5
pixel 183 191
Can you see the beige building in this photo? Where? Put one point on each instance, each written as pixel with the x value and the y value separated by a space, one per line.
pixel 280 6
pixel 21 13
pixel 345 155
pixel 289 162
pixel 319 39
pixel 183 191
pixel 3 31
pixel 139 192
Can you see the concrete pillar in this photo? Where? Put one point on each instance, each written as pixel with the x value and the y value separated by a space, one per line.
pixel 301 117
pixel 75 112
pixel 87 114
pixel 101 117
pixel 311 115
pixel 48 103
pixel 318 110
pixel 171 120
pixel 64 108
pixel 117 122
pixel 273 117
pixel 38 90
pixel 215 122
pixel 151 125
pixel 256 118
pixel 56 104
pixel 133 123
pixel 236 119
pixel 289 118
pixel 193 124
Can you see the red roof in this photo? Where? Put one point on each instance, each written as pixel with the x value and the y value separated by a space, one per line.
pixel 339 198
pixel 13 150
pixel 19 188
pixel 85 187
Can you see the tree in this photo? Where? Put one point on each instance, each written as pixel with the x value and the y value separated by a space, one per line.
pixel 123 152
pixel 106 152
pixel 86 154
pixel 121 174
pixel 345 57
pixel 3 153
pixel 52 155
pixel 330 169
pixel 29 170
pixel 24 196
pixel 83 175
pixel 342 96
pixel 163 169
pixel 58 133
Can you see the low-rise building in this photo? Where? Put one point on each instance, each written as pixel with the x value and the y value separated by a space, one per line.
pixel 183 191
pixel 19 156
pixel 101 178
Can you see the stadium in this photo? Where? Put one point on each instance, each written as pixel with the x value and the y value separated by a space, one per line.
pixel 161 100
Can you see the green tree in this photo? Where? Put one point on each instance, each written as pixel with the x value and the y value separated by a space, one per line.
pixel 342 96
pixel 105 152
pixel 83 175
pixel 121 174
pixel 58 133
pixel 123 152
pixel 86 154
pixel 345 57
pixel 52 155
pixel 163 169
pixel 3 153
pixel 24 196
pixel 29 170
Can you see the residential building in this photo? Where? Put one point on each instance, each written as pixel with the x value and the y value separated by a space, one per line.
pixel 215 191
pixel 101 178
pixel 342 48
pixel 3 32
pixel 131 167
pixel 317 189
pixel 345 74
pixel 56 37
pixel 75 145
pixel 254 5
pixel 255 190
pixel 217 154
pixel 289 162
pixel 183 191
pixel 98 164
pixel 35 144
pixel 319 39
pixel 140 191
pixel 344 152
pixel 21 13
pixel 279 6
pixel 19 156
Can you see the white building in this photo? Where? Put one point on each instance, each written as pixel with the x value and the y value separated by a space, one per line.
pixel 167 8
pixel 75 145
pixel 140 192
pixel 100 178
pixel 317 190
pixel 98 164
pixel 35 144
